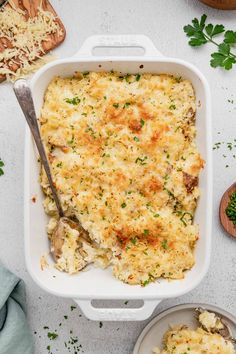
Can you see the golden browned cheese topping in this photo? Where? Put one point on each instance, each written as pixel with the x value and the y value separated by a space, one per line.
pixel 181 339
pixel 125 163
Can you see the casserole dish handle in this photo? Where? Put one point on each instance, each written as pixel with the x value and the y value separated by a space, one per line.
pixel 119 41
pixel 117 314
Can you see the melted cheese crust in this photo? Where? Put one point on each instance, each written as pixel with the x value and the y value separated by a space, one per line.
pixel 124 160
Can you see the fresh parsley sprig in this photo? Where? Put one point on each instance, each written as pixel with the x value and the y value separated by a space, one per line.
pixel 200 34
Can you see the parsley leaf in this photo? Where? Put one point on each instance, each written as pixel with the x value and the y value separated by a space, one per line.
pixel 214 30
pixel 200 39
pixel 199 25
pixel 222 60
pixel 230 37
pixel 224 48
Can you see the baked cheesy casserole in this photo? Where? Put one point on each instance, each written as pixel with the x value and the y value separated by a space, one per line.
pixel 206 339
pixel 125 163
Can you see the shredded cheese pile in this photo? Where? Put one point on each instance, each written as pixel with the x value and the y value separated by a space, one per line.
pixel 23 40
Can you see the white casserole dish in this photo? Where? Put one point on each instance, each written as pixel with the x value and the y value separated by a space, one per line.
pixel 97 283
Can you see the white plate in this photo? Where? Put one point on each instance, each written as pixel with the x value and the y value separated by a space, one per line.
pixel 152 334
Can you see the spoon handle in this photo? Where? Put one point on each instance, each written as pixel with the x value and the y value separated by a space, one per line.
pixel 24 97
pixel 3 2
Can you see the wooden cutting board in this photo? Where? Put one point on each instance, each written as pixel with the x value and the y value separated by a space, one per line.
pixel 30 7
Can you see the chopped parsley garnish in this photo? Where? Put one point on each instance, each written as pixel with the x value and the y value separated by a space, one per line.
pixel 72 308
pixel 169 193
pixel 142 122
pixel 141 160
pixel 145 282
pixel 231 208
pixel 172 106
pixel 126 77
pixel 100 324
pixel 136 139
pixel 134 240
pixel 127 104
pixel 178 79
pixel 70 142
pixel 137 77
pixel 59 164
pixel 146 232
pixel 52 335
pixel 116 105
pixel 164 244
pixel 75 100
pixel 91 131
pixel 123 205
pixel 183 219
pixel 1 165
pixel 126 302
pixel 156 215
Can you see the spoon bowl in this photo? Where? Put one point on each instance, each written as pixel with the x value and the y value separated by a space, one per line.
pixel 225 221
pixel 224 330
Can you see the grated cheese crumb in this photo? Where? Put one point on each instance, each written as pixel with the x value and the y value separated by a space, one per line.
pixel 43 262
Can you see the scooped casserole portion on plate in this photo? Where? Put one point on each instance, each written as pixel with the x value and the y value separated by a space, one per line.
pixel 208 338
pixel 125 164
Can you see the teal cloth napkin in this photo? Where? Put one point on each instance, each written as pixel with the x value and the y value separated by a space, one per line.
pixel 15 336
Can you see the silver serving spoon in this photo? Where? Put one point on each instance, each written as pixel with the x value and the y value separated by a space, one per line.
pixel 24 97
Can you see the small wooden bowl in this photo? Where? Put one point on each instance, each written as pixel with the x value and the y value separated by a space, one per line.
pixel 225 221
pixel 221 4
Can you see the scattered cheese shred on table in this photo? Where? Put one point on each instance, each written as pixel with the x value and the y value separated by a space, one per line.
pixel 23 40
